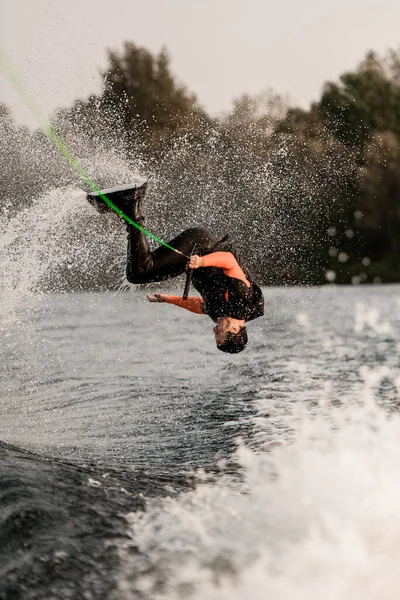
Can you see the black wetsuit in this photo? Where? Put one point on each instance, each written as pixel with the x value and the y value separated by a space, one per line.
pixel 223 296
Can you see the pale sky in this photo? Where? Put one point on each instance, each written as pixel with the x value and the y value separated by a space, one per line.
pixel 219 48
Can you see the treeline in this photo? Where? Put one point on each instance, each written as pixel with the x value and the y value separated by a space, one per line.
pixel 309 195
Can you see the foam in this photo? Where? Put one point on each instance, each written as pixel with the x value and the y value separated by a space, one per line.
pixel 316 517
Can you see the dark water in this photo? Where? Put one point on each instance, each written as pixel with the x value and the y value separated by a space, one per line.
pixel 110 403
pixel 60 524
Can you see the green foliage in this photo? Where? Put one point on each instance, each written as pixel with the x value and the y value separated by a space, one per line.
pixel 362 112
pixel 154 105
pixel 365 101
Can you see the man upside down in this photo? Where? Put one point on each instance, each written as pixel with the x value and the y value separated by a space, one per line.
pixel 228 294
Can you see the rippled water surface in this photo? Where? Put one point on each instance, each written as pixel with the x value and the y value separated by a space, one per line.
pixel 122 401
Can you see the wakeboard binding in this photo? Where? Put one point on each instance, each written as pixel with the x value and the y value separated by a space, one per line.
pixel 128 198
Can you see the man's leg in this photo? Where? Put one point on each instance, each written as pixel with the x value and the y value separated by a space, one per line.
pixel 144 266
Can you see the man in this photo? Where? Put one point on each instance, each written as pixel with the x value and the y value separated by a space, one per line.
pixel 227 292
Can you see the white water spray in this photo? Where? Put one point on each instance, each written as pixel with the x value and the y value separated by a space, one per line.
pixel 315 518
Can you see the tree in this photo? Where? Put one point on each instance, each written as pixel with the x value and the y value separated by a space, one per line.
pixel 154 105
pixel 365 101
pixel 380 199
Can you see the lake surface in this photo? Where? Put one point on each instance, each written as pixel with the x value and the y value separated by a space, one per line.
pixel 139 462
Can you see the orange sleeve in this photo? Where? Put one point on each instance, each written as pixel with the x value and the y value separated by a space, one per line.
pixel 227 262
pixel 193 303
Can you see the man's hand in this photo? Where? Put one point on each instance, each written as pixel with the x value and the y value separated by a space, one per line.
pixel 156 298
pixel 196 262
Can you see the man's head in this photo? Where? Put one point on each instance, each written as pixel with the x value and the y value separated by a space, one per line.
pixel 230 335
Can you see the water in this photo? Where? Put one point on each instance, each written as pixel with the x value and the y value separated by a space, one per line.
pixel 139 462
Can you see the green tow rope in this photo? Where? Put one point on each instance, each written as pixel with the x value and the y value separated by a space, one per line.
pixel 62 148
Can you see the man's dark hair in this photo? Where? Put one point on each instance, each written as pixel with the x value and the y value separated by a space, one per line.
pixel 234 342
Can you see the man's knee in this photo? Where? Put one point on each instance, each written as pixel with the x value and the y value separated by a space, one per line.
pixel 135 277
pixel 131 277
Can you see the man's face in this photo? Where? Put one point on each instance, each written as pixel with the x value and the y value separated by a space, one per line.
pixel 222 327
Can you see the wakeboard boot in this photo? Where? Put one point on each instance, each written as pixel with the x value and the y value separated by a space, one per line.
pixel 128 198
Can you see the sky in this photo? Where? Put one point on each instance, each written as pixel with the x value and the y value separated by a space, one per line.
pixel 219 48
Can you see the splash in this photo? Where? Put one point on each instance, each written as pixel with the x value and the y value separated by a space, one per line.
pixel 51 239
pixel 313 518
pixel 29 246
pixel 54 244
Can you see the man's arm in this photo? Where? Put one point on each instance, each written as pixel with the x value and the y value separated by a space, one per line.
pixel 193 303
pixel 224 260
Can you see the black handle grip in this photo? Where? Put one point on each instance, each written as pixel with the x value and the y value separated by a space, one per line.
pixel 189 276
